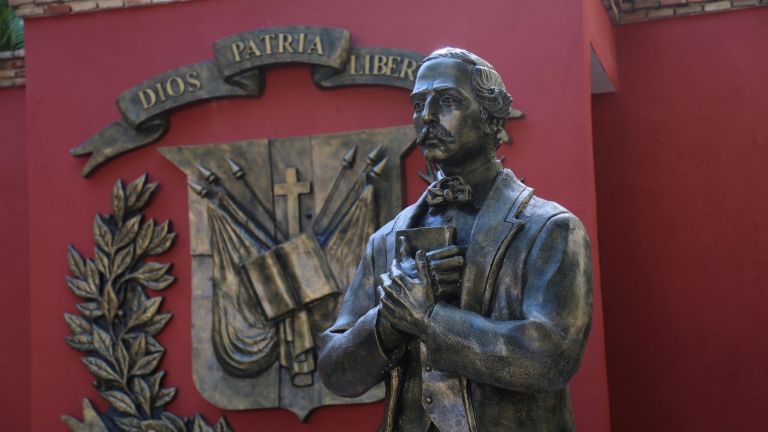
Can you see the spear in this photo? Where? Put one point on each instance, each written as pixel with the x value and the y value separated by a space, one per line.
pixel 239 174
pixel 370 169
pixel 371 158
pixel 229 202
pixel 208 175
pixel 346 163
pixel 199 190
pixel 378 169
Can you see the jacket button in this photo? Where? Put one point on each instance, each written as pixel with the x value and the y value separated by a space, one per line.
pixel 428 369
pixel 428 400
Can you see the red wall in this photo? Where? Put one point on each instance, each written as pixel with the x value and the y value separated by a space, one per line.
pixel 682 169
pixel 14 264
pixel 77 65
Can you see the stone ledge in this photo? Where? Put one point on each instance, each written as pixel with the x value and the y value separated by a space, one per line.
pixel 12 68
pixel 631 11
pixel 41 8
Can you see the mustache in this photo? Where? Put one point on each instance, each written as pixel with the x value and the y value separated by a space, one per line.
pixel 435 130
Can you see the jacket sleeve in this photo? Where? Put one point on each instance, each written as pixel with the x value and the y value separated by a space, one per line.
pixel 351 359
pixel 542 351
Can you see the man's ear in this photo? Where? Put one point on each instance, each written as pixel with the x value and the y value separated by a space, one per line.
pixel 492 125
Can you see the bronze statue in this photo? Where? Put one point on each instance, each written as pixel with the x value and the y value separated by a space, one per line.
pixel 474 304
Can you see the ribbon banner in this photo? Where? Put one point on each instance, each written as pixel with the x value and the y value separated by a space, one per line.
pixel 237 71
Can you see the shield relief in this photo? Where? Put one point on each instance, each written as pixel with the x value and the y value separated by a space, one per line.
pixel 277 228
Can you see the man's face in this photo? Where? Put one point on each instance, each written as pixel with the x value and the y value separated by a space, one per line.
pixel 446 114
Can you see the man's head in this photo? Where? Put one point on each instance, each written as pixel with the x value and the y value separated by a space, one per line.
pixel 460 106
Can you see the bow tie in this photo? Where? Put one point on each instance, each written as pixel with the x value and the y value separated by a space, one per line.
pixel 448 190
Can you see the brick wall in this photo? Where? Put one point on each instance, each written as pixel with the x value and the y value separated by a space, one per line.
pixel 12 68
pixel 621 11
pixel 34 8
pixel 629 11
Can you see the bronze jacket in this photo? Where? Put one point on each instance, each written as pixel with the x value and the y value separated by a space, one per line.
pixel 517 337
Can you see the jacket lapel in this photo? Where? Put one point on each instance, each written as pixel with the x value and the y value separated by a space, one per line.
pixel 495 226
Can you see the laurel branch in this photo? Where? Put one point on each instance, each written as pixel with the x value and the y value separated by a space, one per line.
pixel 118 322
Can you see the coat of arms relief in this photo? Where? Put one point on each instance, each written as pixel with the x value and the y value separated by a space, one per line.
pixel 277 227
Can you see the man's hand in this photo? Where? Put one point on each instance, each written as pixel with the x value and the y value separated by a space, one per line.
pixel 390 338
pixel 407 295
pixel 445 267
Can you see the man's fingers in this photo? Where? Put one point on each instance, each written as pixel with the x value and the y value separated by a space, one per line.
pixel 445 291
pixel 391 289
pixel 390 308
pixel 446 277
pixel 390 283
pixel 455 262
pixel 443 252
pixel 422 267
pixel 399 276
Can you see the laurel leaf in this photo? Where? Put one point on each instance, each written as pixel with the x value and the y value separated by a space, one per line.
pixel 134 190
pixel 157 323
pixel 123 260
pixel 102 341
pixel 93 277
pixel 118 200
pixel 100 369
pixel 157 426
pixel 154 381
pixel 92 421
pixel 121 355
pixel 136 300
pixel 120 401
pixel 159 234
pixel 77 325
pixel 139 347
pixel 142 393
pixel 153 345
pixel 144 196
pixel 101 234
pixel 128 232
pixel 151 271
pixel 128 424
pixel 81 288
pixel 90 310
pixel 150 310
pixel 222 425
pixel 176 421
pixel 163 245
pixel 109 303
pixel 102 262
pixel 164 397
pixel 160 284
pixel 144 237
pixel 75 262
pixel 81 342
pixel 146 364
pixel 199 425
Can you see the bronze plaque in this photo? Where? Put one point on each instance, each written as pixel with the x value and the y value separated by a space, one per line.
pixel 277 227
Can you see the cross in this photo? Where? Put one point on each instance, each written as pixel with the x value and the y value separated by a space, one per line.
pixel 291 189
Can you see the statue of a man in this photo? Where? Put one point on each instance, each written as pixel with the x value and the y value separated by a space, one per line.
pixel 483 334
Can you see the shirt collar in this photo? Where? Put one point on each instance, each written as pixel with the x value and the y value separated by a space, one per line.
pixel 480 179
